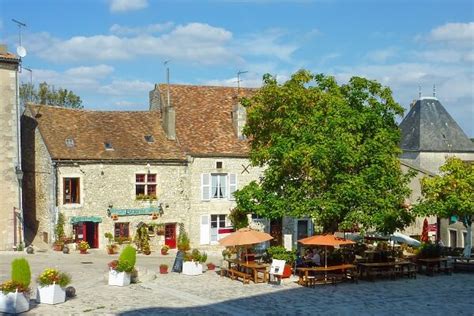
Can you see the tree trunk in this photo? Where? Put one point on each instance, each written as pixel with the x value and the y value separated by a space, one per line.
pixel 467 221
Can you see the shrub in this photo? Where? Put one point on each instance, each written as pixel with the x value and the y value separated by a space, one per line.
pixel 280 253
pixel 128 255
pixel 59 228
pixel 429 251
pixel 53 276
pixel 21 272
pixel 12 286
pixel 183 241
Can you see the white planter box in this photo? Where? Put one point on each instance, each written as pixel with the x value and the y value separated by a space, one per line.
pixel 192 268
pixel 13 303
pixel 119 278
pixel 50 294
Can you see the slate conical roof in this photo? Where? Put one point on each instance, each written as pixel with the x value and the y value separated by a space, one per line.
pixel 429 127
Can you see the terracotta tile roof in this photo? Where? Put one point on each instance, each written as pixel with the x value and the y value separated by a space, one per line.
pixel 91 129
pixel 9 56
pixel 203 118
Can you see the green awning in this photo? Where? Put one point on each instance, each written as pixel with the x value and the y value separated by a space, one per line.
pixel 77 219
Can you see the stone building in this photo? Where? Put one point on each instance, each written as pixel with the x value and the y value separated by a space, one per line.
pixel 104 171
pixel 11 230
pixel 429 136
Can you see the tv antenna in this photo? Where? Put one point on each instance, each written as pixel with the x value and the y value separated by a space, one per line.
pixel 165 63
pixel 20 50
pixel 240 72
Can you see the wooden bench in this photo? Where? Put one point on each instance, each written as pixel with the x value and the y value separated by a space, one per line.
pixel 234 274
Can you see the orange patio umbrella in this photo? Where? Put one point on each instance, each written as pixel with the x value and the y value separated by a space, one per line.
pixel 325 240
pixel 245 237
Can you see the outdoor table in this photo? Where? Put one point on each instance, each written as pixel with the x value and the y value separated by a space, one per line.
pixel 383 268
pixel 432 264
pixel 252 266
pixel 304 272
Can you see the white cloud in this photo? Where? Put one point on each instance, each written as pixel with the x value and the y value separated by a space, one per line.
pixel 382 55
pixel 127 5
pixel 126 104
pixel 99 71
pixel 454 32
pixel 139 30
pixel 126 87
pixel 194 42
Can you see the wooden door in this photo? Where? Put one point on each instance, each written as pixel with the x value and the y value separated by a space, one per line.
pixel 170 235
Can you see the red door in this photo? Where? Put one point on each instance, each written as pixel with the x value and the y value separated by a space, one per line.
pixel 170 235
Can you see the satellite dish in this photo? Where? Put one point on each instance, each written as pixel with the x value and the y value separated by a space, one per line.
pixel 21 51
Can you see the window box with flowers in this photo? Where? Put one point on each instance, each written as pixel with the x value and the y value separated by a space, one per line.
pixel 15 293
pixel 51 287
pixel 83 246
pixel 120 270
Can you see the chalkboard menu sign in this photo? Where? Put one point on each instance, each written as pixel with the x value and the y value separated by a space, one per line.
pixel 178 262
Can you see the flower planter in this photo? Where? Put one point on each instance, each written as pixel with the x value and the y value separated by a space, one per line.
pixel 192 268
pixel 164 252
pixel 211 266
pixel 14 303
pixel 287 271
pixel 83 251
pixel 163 270
pixel 119 278
pixel 50 294
pixel 58 247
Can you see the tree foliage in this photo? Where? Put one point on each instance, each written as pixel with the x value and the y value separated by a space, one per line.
pixel 450 194
pixel 330 152
pixel 46 94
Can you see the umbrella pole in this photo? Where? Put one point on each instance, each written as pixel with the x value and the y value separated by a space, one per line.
pixel 325 263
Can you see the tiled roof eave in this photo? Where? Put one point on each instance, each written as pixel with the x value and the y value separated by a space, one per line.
pixel 120 160
pixel 227 155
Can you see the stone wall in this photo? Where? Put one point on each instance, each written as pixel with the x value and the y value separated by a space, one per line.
pixel 198 207
pixel 105 185
pixel 432 161
pixel 9 188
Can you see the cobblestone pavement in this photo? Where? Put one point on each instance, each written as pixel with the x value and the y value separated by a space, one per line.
pixel 209 294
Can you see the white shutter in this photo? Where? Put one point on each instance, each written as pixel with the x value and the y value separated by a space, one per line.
pixel 205 187
pixel 205 230
pixel 232 185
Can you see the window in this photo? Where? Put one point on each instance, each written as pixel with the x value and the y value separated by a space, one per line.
pixel 71 191
pixel 121 230
pixel 218 223
pixel 108 146
pixel 149 138
pixel 145 184
pixel 69 142
pixel 218 186
pixel 218 164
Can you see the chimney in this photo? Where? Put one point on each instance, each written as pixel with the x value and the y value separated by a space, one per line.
pixel 154 97
pixel 169 119
pixel 239 116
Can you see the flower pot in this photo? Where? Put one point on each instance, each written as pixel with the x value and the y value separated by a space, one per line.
pixel 211 266
pixel 119 278
pixel 50 294
pixel 57 247
pixel 287 271
pixel 163 270
pixel 13 303
pixel 192 268
pixel 164 252
pixel 83 251
pixel 110 250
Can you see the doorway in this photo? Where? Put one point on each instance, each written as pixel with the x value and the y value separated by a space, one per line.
pixel 87 231
pixel 170 235
pixel 302 229
pixel 276 230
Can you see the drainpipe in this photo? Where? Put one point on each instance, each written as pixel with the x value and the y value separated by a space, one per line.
pixel 18 169
pixel 54 189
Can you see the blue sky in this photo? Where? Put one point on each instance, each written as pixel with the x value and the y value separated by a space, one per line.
pixel 111 52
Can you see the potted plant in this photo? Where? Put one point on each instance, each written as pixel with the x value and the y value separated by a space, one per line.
pixel 58 245
pixel 142 240
pixel 211 266
pixel 160 229
pixel 59 233
pixel 15 293
pixel 280 253
pixel 111 247
pixel 51 286
pixel 165 249
pixel 193 261
pixel 163 268
pixel 120 270
pixel 83 246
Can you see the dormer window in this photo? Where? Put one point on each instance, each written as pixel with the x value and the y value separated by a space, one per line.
pixel 108 146
pixel 149 138
pixel 69 142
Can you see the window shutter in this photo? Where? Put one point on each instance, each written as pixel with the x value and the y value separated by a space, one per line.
pixel 205 187
pixel 205 233
pixel 232 185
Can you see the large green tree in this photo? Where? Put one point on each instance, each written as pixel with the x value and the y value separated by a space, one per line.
pixel 46 94
pixel 330 152
pixel 451 194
